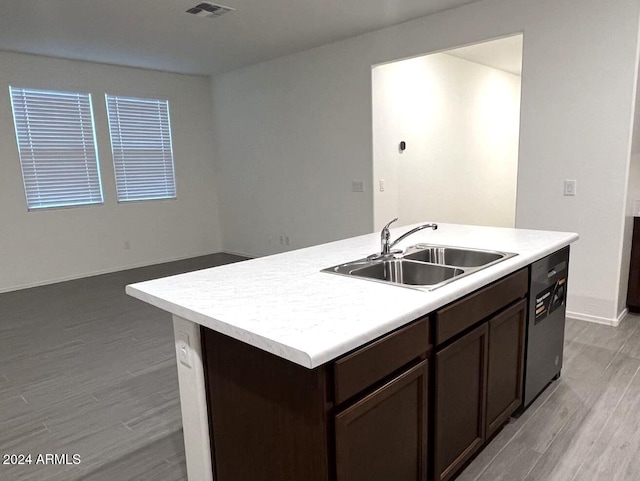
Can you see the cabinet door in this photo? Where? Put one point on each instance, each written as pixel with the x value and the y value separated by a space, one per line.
pixel 633 290
pixel 383 437
pixel 505 371
pixel 460 396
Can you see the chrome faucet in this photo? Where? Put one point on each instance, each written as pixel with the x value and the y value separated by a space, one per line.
pixel 386 246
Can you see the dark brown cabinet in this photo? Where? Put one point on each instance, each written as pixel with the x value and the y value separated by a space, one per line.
pixel 362 417
pixel 460 393
pixel 633 290
pixel 414 405
pixel 383 436
pixel 506 357
pixel 268 416
pixel 478 370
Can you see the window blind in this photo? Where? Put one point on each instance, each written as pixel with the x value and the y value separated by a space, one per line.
pixel 57 147
pixel 142 150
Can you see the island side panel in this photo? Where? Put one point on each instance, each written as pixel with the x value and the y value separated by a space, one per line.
pixel 193 399
pixel 270 417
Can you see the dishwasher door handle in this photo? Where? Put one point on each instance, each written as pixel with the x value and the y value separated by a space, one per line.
pixel 552 273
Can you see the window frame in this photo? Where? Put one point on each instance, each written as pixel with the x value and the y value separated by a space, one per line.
pixel 119 160
pixel 94 193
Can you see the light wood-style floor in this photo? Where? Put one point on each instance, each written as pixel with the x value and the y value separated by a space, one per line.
pixel 586 425
pixel 85 369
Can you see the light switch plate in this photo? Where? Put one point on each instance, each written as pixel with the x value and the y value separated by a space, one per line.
pixel 569 187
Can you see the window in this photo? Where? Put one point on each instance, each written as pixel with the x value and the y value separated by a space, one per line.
pixel 57 147
pixel 141 145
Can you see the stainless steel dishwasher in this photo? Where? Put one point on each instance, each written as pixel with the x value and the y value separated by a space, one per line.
pixel 545 330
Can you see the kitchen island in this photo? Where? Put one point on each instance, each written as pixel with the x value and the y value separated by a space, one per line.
pixel 288 362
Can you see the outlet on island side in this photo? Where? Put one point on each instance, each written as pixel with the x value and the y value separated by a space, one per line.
pixel 284 240
pixel 183 348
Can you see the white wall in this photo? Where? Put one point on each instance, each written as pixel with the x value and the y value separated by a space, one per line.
pixel 39 247
pixel 293 132
pixel 578 119
pixel 460 122
pixel 288 145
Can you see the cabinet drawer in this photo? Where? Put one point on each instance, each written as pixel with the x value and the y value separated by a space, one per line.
pixel 364 367
pixel 464 313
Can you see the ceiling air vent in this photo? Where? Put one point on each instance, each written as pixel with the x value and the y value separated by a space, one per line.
pixel 206 9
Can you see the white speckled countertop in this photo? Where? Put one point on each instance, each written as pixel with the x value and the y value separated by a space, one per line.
pixel 283 304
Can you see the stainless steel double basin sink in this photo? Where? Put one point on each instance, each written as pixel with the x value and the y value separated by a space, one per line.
pixel 422 265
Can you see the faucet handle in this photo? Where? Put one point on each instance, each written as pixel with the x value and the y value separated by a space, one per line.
pixel 386 227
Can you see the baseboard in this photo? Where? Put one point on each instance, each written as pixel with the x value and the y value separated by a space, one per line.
pixel 102 271
pixel 240 254
pixel 624 312
pixel 614 322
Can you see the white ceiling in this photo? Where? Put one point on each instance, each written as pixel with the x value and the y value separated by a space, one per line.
pixel 158 34
pixel 504 54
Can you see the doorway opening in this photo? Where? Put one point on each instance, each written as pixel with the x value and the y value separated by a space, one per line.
pixel 445 135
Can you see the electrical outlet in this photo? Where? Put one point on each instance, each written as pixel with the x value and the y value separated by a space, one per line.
pixel 127 245
pixel 381 185
pixel 286 240
pixel 357 186
pixel 183 348
pixel 282 240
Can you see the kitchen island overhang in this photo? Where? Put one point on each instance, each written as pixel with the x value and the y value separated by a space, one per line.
pixel 285 306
